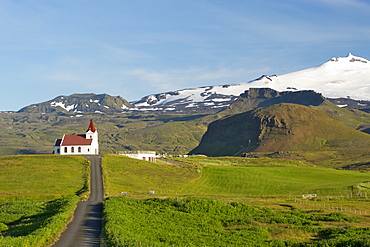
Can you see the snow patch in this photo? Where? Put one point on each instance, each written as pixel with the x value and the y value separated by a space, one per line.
pixel 63 105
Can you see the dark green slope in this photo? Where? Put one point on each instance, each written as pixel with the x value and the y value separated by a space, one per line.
pixel 281 127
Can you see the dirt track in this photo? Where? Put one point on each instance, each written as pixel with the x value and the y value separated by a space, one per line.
pixel 86 227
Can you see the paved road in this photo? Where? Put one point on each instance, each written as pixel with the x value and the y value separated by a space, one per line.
pixel 86 227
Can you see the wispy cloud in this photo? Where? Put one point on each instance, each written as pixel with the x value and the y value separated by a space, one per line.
pixel 190 77
pixel 361 5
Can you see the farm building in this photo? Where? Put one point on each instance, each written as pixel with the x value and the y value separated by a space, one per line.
pixel 141 155
pixel 78 144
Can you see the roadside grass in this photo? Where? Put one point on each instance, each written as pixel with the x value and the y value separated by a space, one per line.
pixel 35 223
pixel 275 185
pixel 38 196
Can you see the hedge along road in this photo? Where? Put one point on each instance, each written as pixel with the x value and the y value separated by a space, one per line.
pixel 86 226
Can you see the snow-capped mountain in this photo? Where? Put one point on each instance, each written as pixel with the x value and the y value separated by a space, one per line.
pixel 345 78
pixel 81 103
pixel 340 77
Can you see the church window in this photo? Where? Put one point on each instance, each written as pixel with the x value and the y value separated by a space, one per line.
pixel 65 149
pixel 79 149
pixel 72 149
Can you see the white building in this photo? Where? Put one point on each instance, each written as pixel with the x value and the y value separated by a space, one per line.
pixel 141 155
pixel 78 144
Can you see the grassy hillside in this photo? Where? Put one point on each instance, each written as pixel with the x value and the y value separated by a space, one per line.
pixel 282 127
pixel 354 118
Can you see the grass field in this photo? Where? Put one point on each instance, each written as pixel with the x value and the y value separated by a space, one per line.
pixel 42 176
pixel 337 217
pixel 232 176
pixel 123 174
pixel 38 194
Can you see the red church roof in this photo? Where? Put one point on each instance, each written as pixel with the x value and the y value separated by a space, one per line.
pixel 91 126
pixel 73 140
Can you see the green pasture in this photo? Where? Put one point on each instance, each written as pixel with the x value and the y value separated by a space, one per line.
pixel 285 180
pixel 38 195
pixel 123 174
pixel 192 221
pixel 228 176
pixel 42 176
pixel 233 201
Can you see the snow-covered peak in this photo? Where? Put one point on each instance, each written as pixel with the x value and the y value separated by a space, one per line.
pixel 339 77
pixel 349 58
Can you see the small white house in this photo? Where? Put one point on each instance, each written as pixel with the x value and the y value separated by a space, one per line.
pixel 141 155
pixel 78 144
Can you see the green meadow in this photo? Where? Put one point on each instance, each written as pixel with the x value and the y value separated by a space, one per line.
pixel 230 201
pixel 38 195
pixel 42 176
pixel 230 176
pixel 201 201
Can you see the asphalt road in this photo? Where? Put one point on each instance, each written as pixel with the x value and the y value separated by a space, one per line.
pixel 86 227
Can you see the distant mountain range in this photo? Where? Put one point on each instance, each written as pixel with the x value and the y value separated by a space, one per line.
pixel 344 80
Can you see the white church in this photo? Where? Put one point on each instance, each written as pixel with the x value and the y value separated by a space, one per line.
pixel 84 144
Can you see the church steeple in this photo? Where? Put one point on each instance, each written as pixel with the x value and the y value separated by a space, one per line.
pixel 91 126
pixel 92 133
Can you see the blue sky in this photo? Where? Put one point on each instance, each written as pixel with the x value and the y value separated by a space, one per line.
pixel 134 48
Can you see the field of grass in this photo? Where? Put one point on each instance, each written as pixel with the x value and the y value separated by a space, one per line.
pixel 227 176
pixel 210 200
pixel 42 176
pixel 137 177
pixel 195 221
pixel 38 194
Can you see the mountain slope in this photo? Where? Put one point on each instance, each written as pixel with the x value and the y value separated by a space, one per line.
pixel 79 103
pixel 280 127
